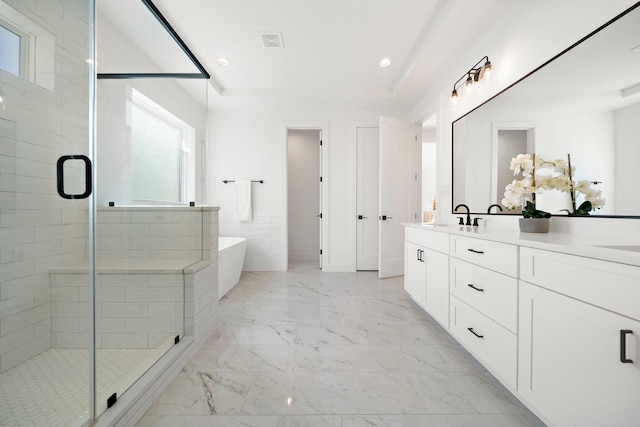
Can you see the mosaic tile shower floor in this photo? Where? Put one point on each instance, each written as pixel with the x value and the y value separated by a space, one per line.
pixel 52 389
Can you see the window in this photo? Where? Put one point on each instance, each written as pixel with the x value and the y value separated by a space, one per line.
pixel 26 49
pixel 161 153
pixel 10 51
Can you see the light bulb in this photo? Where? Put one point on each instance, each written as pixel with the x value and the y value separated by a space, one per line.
pixel 486 70
pixel 453 100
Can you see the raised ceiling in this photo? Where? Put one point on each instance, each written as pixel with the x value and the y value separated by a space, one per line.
pixel 331 48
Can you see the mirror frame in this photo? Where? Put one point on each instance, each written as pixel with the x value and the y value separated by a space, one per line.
pixel 535 70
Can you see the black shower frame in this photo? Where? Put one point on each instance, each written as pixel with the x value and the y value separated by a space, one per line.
pixel 176 37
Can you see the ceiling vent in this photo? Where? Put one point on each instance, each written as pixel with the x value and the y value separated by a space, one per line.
pixel 271 40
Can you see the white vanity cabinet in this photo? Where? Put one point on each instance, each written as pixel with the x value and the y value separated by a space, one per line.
pixel 426 276
pixel 560 330
pixel 484 302
pixel 579 341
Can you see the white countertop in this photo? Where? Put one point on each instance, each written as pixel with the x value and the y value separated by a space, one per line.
pixel 574 244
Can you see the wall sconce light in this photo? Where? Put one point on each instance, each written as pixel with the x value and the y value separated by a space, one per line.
pixel 472 77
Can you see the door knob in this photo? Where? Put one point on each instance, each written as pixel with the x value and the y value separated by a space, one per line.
pixel 362 217
pixel 384 217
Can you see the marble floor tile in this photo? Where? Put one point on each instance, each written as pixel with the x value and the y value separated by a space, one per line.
pixel 301 393
pixel 304 348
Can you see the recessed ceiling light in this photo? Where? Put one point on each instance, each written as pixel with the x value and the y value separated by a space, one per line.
pixel 222 61
pixel 385 62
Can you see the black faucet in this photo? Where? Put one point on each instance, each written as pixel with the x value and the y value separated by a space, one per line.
pixel 468 213
pixel 494 205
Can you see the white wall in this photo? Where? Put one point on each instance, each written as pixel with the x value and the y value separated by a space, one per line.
pixel 627 157
pixel 303 172
pixel 522 38
pixel 248 142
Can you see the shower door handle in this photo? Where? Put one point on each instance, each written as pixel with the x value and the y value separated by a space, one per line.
pixel 87 174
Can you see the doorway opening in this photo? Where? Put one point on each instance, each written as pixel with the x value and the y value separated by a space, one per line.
pixel 304 196
pixel 507 141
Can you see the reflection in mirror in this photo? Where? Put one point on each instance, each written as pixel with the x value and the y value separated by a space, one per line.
pixel 429 165
pixel 568 106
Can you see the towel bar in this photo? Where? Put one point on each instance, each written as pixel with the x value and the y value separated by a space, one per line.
pixel 230 180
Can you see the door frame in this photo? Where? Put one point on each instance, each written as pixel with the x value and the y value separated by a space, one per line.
pixel 323 127
pixel 529 127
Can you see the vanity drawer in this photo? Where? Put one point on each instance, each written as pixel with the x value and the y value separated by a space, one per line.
pixel 493 345
pixel 491 293
pixel 610 285
pixel 428 239
pixel 500 257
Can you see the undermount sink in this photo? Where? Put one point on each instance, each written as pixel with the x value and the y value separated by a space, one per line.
pixel 632 248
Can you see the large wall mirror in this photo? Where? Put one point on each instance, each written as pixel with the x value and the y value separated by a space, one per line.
pixel 584 102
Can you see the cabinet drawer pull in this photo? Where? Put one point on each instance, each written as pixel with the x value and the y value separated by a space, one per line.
pixel 474 333
pixel 623 345
pixel 475 251
pixel 474 288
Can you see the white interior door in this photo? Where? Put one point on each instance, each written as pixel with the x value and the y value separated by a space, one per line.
pixel 367 198
pixel 397 185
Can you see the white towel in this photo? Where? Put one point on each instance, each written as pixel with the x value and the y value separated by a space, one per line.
pixel 243 200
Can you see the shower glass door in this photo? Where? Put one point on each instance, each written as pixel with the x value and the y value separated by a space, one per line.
pixel 45 101
pixel 151 119
pixel 92 295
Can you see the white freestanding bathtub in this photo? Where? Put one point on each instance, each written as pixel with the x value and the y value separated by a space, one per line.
pixel 230 261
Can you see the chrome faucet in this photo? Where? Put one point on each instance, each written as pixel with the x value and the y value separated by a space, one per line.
pixel 494 205
pixel 468 213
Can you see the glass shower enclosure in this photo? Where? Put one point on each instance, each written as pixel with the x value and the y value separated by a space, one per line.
pixel 99 148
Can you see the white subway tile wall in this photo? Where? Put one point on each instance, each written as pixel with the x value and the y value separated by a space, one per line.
pixel 135 306
pixel 265 246
pixel 41 122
